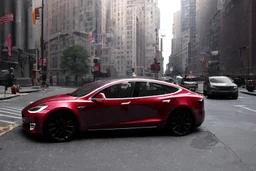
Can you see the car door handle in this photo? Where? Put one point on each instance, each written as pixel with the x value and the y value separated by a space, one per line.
pixel 126 103
pixel 166 101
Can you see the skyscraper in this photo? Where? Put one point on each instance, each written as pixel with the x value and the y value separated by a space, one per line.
pixel 68 23
pixel 134 24
pixel 188 28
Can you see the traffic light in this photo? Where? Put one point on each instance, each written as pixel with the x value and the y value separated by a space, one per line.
pixel 35 15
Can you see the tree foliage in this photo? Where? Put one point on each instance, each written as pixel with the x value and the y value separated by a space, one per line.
pixel 74 61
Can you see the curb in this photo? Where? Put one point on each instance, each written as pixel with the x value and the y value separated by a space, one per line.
pixel 7 129
pixel 249 93
pixel 10 97
pixel 30 91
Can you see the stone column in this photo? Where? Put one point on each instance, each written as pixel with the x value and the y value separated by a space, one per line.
pixel 20 24
pixel 31 27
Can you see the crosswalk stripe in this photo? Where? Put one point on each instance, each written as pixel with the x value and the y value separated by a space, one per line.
pixel 14 108
pixel 12 113
pixel 7 122
pixel 10 116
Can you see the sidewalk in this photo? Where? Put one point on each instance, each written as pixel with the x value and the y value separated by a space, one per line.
pixel 244 91
pixel 23 90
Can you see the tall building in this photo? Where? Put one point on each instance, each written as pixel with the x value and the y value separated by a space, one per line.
pixel 22 46
pixel 200 50
pixel 175 59
pixel 152 26
pixel 188 29
pixel 135 24
pixel 68 23
pixel 176 41
pixel 238 38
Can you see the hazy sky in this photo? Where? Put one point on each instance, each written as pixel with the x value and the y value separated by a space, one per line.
pixel 167 8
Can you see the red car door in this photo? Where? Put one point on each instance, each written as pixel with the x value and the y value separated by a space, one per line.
pixel 151 104
pixel 110 112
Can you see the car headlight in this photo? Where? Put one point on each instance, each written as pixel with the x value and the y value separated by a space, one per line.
pixel 37 109
pixel 212 86
pixel 235 87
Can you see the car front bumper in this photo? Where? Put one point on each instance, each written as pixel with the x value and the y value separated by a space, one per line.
pixel 223 92
pixel 33 122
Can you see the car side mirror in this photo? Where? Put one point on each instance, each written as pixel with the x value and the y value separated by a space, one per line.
pixel 99 97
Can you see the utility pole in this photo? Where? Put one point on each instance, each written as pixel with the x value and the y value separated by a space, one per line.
pixel 44 68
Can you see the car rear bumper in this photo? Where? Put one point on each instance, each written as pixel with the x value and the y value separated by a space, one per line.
pixel 199 117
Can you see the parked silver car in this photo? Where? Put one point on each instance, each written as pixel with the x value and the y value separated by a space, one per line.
pixel 220 86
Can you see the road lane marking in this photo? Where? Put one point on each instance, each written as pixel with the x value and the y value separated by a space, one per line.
pixel 9 128
pixel 10 116
pixel 14 108
pixel 11 113
pixel 7 122
pixel 9 109
pixel 244 107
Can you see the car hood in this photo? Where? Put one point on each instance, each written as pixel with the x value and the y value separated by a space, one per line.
pixel 60 97
pixel 223 84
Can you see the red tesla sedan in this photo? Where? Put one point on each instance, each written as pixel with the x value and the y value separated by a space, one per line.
pixel 116 104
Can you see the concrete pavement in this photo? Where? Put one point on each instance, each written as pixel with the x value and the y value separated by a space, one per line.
pixel 226 141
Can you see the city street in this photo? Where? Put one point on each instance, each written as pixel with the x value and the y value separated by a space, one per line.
pixel 226 141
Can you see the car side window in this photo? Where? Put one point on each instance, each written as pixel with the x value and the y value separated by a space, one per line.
pixel 121 90
pixel 153 89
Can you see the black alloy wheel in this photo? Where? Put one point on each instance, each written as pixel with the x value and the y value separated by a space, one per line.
pixel 181 122
pixel 60 127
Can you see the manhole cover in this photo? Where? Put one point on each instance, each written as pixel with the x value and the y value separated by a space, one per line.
pixel 205 140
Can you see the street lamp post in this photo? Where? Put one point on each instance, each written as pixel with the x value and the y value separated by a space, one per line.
pixel 44 68
pixel 241 55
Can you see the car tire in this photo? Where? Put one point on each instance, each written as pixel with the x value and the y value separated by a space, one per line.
pixel 234 97
pixel 209 96
pixel 61 126
pixel 181 122
pixel 205 93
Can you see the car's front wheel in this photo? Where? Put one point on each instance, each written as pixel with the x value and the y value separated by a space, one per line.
pixel 181 122
pixel 60 126
pixel 235 97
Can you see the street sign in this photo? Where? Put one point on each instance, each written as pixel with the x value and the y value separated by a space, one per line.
pixel 44 62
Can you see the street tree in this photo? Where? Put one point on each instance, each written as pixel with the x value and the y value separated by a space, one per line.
pixel 74 61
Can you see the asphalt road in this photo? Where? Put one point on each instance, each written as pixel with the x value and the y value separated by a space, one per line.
pixel 226 141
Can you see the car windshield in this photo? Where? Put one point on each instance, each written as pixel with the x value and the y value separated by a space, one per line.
pixel 87 88
pixel 220 80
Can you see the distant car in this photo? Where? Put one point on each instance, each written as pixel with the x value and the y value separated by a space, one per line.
pixel 168 79
pixel 190 82
pixel 220 86
pixel 115 104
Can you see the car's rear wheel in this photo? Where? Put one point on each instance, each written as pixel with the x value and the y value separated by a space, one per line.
pixel 60 126
pixel 181 122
